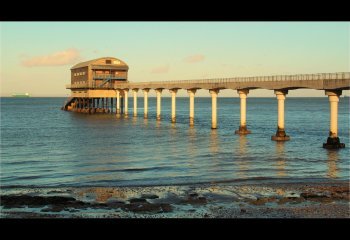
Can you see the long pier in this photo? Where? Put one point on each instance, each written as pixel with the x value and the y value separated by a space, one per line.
pixel 86 97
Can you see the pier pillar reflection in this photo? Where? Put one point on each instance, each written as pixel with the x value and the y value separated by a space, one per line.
pixel 192 143
pixel 191 93
pixel 159 99
pixel 241 158
pixel 280 134
pixel 134 91
pixel 333 141
pixel 214 95
pixel 243 124
pixel 281 159
pixel 173 104
pixel 332 158
pixel 145 101
pixel 214 142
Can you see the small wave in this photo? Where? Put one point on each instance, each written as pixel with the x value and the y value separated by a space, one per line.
pixel 27 177
pixel 21 162
pixel 139 169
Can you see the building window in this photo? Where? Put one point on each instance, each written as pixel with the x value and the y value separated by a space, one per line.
pixel 108 61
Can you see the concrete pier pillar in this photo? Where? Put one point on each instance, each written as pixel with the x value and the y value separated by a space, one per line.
pixel 159 100
pixel 126 91
pixel 118 102
pixel 83 105
pixel 93 105
pixel 173 104
pixel 111 105
pixel 88 105
pixel 214 95
pixel 191 93
pixel 333 141
pixel 75 105
pixel 280 134
pixel 135 90
pixel 122 104
pixel 243 124
pixel 145 101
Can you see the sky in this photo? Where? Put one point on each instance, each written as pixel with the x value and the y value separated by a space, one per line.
pixel 36 57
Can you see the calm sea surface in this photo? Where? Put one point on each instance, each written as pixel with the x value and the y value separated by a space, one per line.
pixel 44 146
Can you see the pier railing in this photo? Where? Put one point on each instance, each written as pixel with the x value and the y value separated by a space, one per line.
pixel 276 78
pixel 108 76
pixel 107 85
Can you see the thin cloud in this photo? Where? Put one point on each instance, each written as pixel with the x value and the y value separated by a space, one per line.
pixel 161 69
pixel 69 56
pixel 195 58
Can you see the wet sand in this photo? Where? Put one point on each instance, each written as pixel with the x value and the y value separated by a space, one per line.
pixel 212 200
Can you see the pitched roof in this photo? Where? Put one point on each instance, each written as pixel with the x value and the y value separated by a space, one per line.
pixel 91 62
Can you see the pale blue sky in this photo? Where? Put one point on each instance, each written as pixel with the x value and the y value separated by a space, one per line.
pixel 158 51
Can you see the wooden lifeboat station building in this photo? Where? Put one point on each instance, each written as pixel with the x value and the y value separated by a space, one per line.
pixel 93 85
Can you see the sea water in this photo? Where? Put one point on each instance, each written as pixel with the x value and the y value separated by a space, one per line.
pixel 43 146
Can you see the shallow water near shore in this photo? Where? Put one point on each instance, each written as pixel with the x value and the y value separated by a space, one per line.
pixel 215 200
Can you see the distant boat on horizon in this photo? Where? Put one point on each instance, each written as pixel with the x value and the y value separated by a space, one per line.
pixel 22 95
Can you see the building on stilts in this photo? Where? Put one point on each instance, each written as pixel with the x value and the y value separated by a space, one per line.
pixel 94 86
